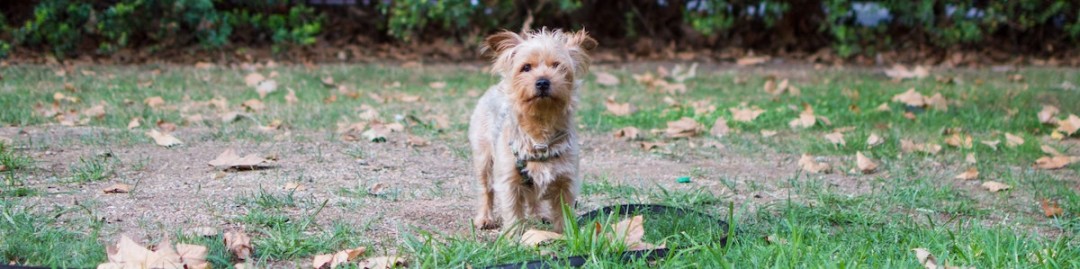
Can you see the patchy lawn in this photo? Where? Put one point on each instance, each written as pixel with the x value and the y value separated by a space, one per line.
pixel 70 133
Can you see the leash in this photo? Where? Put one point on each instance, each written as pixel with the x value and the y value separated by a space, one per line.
pixel 621 210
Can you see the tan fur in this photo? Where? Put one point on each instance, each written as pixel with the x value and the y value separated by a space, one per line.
pixel 513 117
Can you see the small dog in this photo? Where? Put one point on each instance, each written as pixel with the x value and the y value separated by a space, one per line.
pixel 523 137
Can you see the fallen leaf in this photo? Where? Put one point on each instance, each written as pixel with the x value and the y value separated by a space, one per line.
pixel 650 145
pixel 910 98
pixel 807 163
pixel 377 133
pixel 684 127
pixel 720 127
pixel 864 164
pixel 290 98
pixel 437 85
pixel 164 139
pixel 928 261
pixel 1046 115
pixel 970 159
pixel 993 144
pixel 900 72
pixel 1055 162
pixel 1069 125
pixel 1012 140
pixel 956 140
pixel 377 189
pixel 253 79
pixel 534 237
pixel 408 98
pixel 770 87
pixel 416 141
pixel 627 133
pixel 938 102
pixel 806 118
pixel 328 81
pixel 266 87
pixel 883 107
pixel 294 186
pixel 385 262
pixel 752 60
pixel 134 123
pixel 630 232
pixel 338 258
pixel 836 138
pixel 203 65
pixel 775 240
pixel 1051 209
pixel 1050 150
pixel 128 254
pixel 229 159
pixel 239 244
pixel 994 186
pixel 874 140
pixel 254 105
pixel 154 102
pixel 619 109
pixel 970 174
pixel 118 188
pixel 908 146
pixel 745 114
pixel 767 133
pixel 606 79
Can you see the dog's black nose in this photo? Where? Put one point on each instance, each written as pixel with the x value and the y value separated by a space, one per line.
pixel 543 85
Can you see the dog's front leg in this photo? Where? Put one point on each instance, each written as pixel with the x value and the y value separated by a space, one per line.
pixel 510 195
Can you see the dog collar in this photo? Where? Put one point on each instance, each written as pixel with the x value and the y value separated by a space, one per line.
pixel 522 161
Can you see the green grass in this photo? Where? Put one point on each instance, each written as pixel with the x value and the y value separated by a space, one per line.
pixel 911 202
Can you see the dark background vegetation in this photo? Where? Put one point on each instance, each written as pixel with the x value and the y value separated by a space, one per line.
pixel 1041 31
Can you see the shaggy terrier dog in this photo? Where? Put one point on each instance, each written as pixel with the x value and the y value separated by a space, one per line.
pixel 523 137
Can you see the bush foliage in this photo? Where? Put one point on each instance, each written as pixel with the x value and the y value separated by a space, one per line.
pixel 849 27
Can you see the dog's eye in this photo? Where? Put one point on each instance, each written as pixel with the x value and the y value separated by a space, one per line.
pixel 526 68
pixel 555 64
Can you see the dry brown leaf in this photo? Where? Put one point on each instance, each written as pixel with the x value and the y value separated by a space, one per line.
pixel 630 232
pixel 970 159
pixel 229 159
pixel 970 174
pixel 900 72
pixel 627 133
pixel 606 79
pixel 253 105
pixel 619 109
pixel 294 186
pixel 134 123
pixel 1050 150
pixel 928 261
pixel 118 188
pixel 164 139
pixel 806 118
pixel 1046 115
pixel 767 133
pixel 128 254
pixel 239 244
pixel 154 102
pixel 807 163
pixel 993 144
pixel 1051 209
pixel 437 85
pixel 203 65
pixel 684 127
pixel 751 60
pixel 328 81
pixel 775 239
pixel 1069 125
pixel 703 107
pixel 938 102
pixel 377 133
pixel 1012 140
pixel 96 112
pixel 836 138
pixel 874 140
pixel 994 186
pixel 883 107
pixel 416 141
pixel 743 114
pixel 720 127
pixel 290 98
pixel 534 237
pixel 385 262
pixel 266 87
pixel 1055 162
pixel 338 258
pixel 910 98
pixel 865 165
pixel 770 87
pixel 959 141
pixel 253 79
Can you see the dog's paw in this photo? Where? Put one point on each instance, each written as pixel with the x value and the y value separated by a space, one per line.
pixel 485 223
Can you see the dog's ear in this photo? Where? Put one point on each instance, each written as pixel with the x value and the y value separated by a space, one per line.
pixel 579 44
pixel 500 42
pixel 582 40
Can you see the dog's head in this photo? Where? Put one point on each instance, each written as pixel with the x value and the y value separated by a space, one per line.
pixel 542 67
